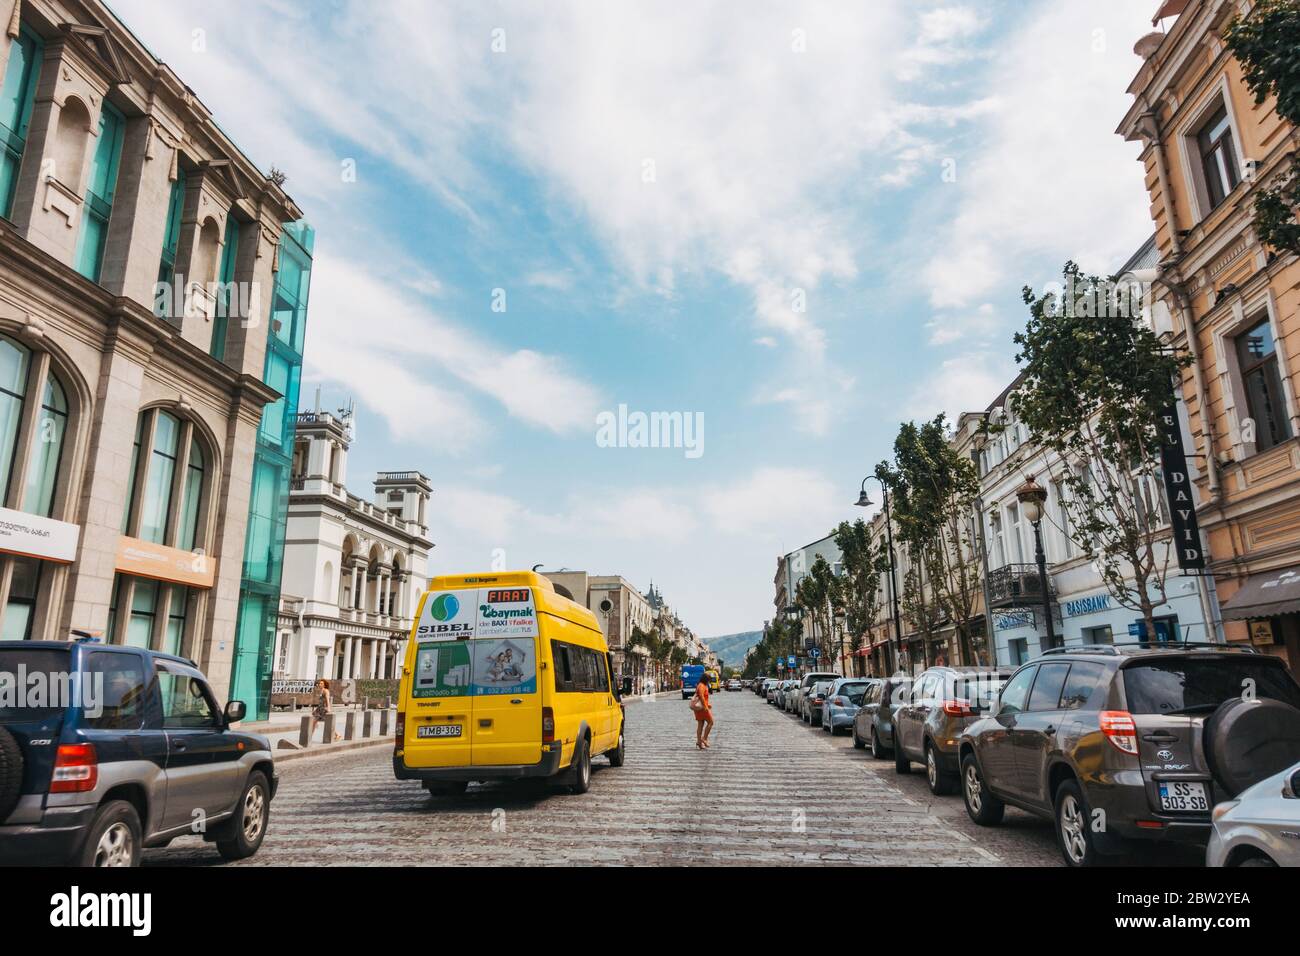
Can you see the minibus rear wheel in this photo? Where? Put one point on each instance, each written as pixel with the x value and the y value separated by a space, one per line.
pixel 580 782
pixel 619 753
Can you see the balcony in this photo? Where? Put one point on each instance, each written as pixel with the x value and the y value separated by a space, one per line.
pixel 1017 586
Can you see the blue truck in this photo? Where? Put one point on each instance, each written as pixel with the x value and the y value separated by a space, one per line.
pixel 692 674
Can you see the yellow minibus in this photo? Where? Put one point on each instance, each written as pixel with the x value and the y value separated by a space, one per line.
pixel 505 679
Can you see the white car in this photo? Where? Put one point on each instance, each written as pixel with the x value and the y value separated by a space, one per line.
pixel 1261 827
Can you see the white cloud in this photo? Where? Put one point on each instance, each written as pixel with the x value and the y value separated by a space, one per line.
pixel 410 365
pixel 1052 178
pixel 963 383
pixel 776 503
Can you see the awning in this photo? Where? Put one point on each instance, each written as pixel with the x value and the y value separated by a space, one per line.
pixel 1170 8
pixel 1265 594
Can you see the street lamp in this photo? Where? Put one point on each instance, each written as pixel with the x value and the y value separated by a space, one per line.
pixel 1032 496
pixel 865 502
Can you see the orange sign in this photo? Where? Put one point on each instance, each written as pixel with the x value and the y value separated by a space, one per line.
pixel 149 560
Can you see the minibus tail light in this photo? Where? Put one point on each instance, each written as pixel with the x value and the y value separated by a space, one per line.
pixel 399 732
pixel 548 725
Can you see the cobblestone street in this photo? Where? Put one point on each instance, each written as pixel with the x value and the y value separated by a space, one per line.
pixel 770 791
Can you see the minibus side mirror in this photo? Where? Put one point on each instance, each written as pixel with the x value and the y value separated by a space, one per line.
pixel 627 687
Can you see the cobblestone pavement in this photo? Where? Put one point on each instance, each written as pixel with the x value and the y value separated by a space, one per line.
pixel 770 791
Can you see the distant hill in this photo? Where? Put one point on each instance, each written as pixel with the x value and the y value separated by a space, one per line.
pixel 732 647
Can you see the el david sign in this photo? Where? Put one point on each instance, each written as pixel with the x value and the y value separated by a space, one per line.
pixel 1178 486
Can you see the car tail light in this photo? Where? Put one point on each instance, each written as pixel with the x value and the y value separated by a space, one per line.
pixel 840 702
pixel 1120 730
pixel 76 769
pixel 548 725
pixel 957 707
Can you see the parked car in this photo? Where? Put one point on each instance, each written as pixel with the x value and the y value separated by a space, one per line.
pixel 1144 739
pixel 93 777
pixel 790 696
pixel 842 702
pixel 776 693
pixel 733 684
pixel 1261 827
pixel 943 702
pixel 873 724
pixel 810 702
pixel 801 687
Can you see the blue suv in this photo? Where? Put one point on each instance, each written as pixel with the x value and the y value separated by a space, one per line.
pixel 106 750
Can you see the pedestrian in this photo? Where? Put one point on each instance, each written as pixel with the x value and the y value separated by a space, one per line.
pixel 322 707
pixel 703 714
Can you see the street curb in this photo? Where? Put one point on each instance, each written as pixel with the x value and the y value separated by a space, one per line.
pixel 323 750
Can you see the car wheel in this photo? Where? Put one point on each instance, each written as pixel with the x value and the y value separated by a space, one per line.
pixel 901 763
pixel 580 782
pixel 940 781
pixel 619 753
pixel 877 748
pixel 858 742
pixel 981 806
pixel 248 825
pixel 114 836
pixel 1074 827
pixel 1257 861
pixel 11 773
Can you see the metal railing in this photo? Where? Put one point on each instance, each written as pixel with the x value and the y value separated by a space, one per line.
pixel 1017 585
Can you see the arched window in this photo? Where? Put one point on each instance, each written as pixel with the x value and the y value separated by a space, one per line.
pixel 167 483
pixel 32 435
pixel 31 447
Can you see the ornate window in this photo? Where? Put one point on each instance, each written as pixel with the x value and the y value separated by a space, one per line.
pixel 168 482
pixel 17 94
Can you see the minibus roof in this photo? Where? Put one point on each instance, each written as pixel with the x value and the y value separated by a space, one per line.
pixel 546 598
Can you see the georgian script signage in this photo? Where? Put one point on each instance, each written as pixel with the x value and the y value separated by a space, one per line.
pixel 1178 486
pixel 35 536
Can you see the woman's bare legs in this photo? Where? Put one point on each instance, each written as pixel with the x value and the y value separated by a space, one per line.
pixel 708 728
pixel 699 734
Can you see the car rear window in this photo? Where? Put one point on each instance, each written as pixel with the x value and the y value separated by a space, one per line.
pixel 1199 684
pixel 854 692
pixel 34 683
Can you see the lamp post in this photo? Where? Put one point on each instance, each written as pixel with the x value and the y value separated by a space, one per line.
pixel 864 502
pixel 1032 496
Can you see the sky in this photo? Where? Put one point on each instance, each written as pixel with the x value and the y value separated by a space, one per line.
pixel 795 224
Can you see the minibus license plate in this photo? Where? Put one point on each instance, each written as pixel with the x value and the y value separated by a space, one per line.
pixel 438 730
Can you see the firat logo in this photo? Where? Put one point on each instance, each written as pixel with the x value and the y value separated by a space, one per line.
pixel 445 607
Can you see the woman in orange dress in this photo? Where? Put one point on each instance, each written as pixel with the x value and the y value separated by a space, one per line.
pixel 703 714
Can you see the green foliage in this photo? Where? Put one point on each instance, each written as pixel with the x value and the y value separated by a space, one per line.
pixel 1096 382
pixel 864 560
pixel 934 490
pixel 1267 43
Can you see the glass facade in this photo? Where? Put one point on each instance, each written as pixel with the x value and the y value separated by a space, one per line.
pixel 17 95
pixel 99 193
pixel 268 508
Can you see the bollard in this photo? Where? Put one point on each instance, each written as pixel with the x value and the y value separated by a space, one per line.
pixel 304 733
pixel 366 720
pixel 383 723
pixel 350 727
pixel 327 729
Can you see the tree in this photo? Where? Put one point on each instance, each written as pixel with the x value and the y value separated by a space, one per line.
pixel 1096 383
pixel 817 593
pixel 1267 43
pixel 934 489
pixel 864 560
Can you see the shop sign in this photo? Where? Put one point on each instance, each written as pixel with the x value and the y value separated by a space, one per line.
pixel 35 536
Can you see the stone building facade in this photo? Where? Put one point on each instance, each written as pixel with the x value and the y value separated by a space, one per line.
pixel 1233 305
pixel 354 569
pixel 129 418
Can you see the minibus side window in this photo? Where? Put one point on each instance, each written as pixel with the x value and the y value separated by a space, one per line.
pixel 563 668
pixel 602 673
pixel 586 674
